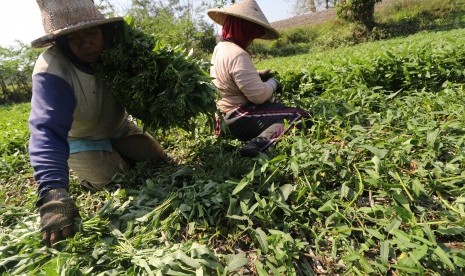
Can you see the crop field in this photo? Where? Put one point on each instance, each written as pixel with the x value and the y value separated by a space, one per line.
pixel 374 184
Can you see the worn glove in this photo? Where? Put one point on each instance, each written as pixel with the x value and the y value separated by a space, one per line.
pixel 58 213
pixel 264 74
pixel 275 84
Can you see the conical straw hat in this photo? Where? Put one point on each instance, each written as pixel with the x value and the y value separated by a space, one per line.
pixel 247 10
pixel 60 17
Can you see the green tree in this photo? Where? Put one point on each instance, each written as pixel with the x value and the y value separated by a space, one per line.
pixel 176 22
pixel 303 6
pixel 361 11
pixel 16 65
pixel 222 3
pixel 106 7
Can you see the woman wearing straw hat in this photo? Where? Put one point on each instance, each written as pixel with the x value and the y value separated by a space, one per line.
pixel 245 93
pixel 75 122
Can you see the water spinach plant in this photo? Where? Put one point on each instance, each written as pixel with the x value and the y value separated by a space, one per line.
pixel 161 85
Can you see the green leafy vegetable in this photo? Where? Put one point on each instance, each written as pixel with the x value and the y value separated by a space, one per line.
pixel 158 84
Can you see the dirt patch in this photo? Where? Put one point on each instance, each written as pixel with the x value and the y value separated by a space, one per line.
pixel 305 19
pixel 312 18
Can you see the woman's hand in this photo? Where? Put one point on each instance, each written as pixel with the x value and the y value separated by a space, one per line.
pixel 264 74
pixel 58 214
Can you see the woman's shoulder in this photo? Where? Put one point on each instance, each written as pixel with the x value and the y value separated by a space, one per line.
pixel 230 52
pixel 230 48
pixel 51 61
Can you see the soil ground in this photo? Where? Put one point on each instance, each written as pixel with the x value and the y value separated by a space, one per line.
pixel 311 18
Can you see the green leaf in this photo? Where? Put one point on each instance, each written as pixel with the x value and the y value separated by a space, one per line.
pixel 394 225
pixel 376 151
pixel 328 206
pixel 451 231
pixel 273 269
pixel 402 239
pixel 419 252
pixel 236 217
pixel 191 262
pixel 261 237
pixel 244 181
pixel 439 252
pixel 244 208
pixel 295 168
pixel 458 261
pixel 402 201
pixel 182 172
pixel 143 263
pixel 342 229
pixel 431 137
pixel 417 187
pixel 384 252
pixel 235 261
pixel 429 233
pixel 260 270
pixel 354 256
pixel 366 265
pixel 346 191
pixel 286 190
pixel 375 233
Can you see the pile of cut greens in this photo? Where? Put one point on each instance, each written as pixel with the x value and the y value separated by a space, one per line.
pixel 160 85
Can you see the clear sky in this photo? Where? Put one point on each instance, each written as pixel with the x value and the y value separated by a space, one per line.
pixel 20 19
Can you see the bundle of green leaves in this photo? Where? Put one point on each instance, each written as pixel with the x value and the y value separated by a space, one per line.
pixel 160 85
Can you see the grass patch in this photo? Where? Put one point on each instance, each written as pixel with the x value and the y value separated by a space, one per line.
pixel 395 18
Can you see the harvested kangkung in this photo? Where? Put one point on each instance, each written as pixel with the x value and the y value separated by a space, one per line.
pixel 160 85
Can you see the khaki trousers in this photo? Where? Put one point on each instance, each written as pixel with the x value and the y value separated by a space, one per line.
pixel 97 168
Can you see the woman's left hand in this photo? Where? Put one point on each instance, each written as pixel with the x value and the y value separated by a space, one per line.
pixel 264 74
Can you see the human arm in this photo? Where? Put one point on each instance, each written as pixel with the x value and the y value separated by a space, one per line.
pixel 51 117
pixel 265 75
pixel 249 81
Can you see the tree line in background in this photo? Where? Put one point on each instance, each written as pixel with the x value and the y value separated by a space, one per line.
pixel 304 6
pixel 172 22
pixel 16 65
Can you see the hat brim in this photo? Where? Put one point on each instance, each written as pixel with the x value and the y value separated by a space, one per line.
pixel 219 16
pixel 47 40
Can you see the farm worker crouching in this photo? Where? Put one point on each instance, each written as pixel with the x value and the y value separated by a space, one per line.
pixel 246 94
pixel 75 122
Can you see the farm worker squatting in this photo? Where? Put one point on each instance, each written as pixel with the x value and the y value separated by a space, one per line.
pixel 246 94
pixel 75 122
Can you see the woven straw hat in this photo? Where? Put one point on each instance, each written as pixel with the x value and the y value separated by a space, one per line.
pixel 60 17
pixel 247 10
